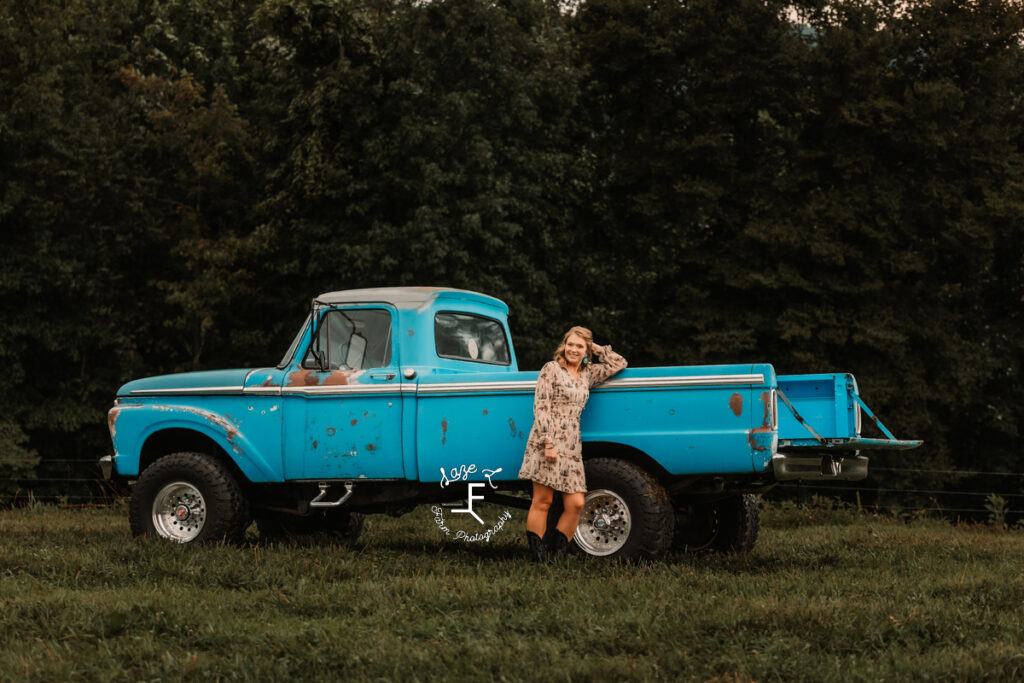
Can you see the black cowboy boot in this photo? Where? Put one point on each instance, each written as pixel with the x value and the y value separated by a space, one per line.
pixel 557 543
pixel 538 549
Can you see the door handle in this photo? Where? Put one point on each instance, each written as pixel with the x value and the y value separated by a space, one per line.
pixel 386 376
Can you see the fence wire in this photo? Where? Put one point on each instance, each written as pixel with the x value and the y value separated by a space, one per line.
pixel 85 485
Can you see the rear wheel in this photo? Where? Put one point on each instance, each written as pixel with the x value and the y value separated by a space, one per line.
pixel 188 498
pixel 727 525
pixel 626 512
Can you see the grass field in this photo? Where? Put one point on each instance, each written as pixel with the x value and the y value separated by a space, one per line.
pixel 825 596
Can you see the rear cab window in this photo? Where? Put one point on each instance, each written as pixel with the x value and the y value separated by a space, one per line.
pixel 472 338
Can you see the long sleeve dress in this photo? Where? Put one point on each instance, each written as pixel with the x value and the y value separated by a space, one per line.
pixel 558 401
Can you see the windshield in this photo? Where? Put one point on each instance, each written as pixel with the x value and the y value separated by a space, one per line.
pixel 295 343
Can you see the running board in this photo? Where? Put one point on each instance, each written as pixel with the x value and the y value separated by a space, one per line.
pixel 319 501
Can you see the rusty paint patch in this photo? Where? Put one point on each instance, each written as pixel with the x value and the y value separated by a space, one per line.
pixel 303 378
pixel 222 421
pixel 112 416
pixel 315 443
pixel 331 431
pixel 736 404
pixel 366 413
pixel 756 436
pixel 269 383
pixel 485 411
pixel 412 332
pixel 354 422
pixel 512 426
pixel 370 447
pixel 444 431
pixel 338 378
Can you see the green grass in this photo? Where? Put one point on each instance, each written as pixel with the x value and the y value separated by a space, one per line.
pixel 825 596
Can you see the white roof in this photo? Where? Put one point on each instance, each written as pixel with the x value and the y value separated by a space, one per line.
pixel 403 297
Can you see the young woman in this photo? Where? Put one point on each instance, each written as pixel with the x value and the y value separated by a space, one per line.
pixel 553 459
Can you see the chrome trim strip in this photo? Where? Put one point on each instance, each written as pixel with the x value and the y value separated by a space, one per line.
pixel 528 386
pixel 697 381
pixel 519 386
pixel 347 389
pixel 189 390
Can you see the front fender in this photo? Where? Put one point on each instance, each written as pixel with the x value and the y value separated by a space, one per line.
pixel 131 425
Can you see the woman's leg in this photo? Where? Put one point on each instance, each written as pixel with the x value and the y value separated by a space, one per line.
pixel 537 518
pixel 570 518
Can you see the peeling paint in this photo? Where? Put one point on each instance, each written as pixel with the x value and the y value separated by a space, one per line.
pixel 736 404
pixel 444 432
pixel 338 378
pixel 512 426
pixel 370 447
pixel 112 416
pixel 485 411
pixel 756 437
pixel 354 422
pixel 315 443
pixel 224 422
pixel 331 431
pixel 306 378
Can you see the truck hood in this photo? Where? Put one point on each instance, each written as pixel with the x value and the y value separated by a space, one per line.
pixel 207 382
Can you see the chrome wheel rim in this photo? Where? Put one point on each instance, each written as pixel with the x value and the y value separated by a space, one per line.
pixel 179 512
pixel 604 524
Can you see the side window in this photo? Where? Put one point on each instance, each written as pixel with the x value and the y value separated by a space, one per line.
pixel 470 337
pixel 354 339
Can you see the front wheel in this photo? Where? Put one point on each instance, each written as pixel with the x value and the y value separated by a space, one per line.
pixel 188 498
pixel 626 513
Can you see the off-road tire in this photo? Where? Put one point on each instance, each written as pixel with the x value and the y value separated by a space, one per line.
pixel 728 525
pixel 221 502
pixel 340 525
pixel 619 491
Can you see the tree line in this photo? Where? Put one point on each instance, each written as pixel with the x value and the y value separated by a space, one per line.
pixel 826 186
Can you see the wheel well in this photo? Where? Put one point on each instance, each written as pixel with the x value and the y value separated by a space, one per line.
pixel 607 449
pixel 169 441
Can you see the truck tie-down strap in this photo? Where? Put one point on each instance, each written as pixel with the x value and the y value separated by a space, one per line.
pixel 820 439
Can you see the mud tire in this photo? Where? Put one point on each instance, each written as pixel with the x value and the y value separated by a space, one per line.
pixel 639 506
pixel 729 525
pixel 225 509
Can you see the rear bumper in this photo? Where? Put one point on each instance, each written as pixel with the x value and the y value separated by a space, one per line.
pixel 818 466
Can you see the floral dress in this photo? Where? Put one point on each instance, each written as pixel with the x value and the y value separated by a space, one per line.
pixel 557 404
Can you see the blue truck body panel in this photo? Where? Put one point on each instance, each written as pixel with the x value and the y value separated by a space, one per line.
pixel 418 411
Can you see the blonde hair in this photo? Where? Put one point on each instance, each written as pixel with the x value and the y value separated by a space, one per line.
pixel 583 333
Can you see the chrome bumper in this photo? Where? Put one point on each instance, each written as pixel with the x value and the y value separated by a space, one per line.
pixel 816 467
pixel 107 466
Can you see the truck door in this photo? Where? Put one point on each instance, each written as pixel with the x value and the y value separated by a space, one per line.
pixel 346 422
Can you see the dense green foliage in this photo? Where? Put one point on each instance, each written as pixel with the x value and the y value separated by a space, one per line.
pixel 823 597
pixel 824 186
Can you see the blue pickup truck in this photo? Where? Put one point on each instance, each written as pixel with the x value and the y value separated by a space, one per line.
pixel 390 398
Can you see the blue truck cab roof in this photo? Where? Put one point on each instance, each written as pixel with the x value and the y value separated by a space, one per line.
pixel 416 323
